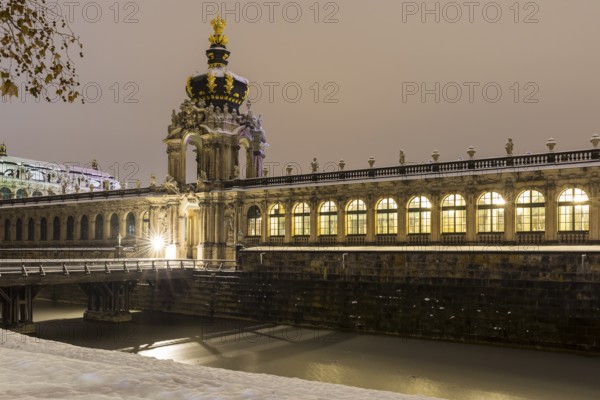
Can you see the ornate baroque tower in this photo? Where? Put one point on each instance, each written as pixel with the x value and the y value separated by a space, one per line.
pixel 211 121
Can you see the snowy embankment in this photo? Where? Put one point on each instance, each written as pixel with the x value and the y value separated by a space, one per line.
pixel 39 369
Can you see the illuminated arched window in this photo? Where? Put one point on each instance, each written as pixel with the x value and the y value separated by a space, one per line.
pixel 19 230
pixel 5 193
pixel 56 229
pixel 114 226
pixel 21 193
pixel 254 222
pixel 454 214
pixel 70 228
pixel 146 224
pixel 99 227
pixel 387 217
pixel 531 212
pixel 43 229
pixel 277 220
pixel 419 216
pixel 573 211
pixel 302 220
pixel 130 225
pixel 37 193
pixel 84 228
pixel 356 218
pixel 490 213
pixel 328 219
pixel 31 230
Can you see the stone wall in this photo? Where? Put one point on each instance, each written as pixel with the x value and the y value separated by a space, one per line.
pixel 545 300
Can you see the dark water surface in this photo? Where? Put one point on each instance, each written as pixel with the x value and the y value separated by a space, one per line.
pixel 448 370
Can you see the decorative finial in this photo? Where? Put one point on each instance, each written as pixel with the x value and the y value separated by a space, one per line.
pixel 471 152
pixel 2 149
pixel 219 26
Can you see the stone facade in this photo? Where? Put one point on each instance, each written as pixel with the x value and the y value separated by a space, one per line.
pixel 526 298
pixel 22 178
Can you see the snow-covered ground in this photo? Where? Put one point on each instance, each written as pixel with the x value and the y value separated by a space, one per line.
pixel 39 369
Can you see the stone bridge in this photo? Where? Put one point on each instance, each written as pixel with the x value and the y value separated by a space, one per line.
pixel 108 284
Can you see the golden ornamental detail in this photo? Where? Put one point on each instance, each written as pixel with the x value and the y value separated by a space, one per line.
pixel 212 82
pixel 219 26
pixel 219 39
pixel 246 93
pixel 228 82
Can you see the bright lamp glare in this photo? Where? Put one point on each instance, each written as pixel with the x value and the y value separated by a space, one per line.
pixel 158 243
pixel 171 253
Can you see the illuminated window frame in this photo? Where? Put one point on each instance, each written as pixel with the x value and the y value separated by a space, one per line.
pixel 530 212
pixel 302 220
pixel 130 225
pixel 328 218
pixel 146 224
pixel 5 193
pixel 356 218
pixel 573 211
pixel 454 214
pixel 277 221
pixel 254 222
pixel 387 217
pixel 419 216
pixel 490 213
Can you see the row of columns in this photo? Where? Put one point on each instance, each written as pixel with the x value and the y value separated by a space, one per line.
pixel 122 230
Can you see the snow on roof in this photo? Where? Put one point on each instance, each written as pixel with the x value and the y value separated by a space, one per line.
pixel 40 369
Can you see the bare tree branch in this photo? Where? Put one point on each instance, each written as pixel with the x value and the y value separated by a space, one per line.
pixel 35 45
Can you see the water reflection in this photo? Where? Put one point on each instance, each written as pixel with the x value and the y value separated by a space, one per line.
pixel 438 369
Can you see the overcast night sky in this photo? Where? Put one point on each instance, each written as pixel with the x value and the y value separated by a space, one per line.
pixel 366 58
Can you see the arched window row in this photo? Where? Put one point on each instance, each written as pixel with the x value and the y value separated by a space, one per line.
pixel 6 193
pixel 530 212
pixel 70 228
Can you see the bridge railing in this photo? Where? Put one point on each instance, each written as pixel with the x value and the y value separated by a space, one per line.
pixel 88 267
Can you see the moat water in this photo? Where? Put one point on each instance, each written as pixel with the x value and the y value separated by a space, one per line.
pixel 453 371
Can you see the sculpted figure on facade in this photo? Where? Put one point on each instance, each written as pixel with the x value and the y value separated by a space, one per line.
pixel 509 147
pixel 170 185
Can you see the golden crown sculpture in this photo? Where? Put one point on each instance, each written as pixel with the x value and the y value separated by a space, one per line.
pixel 219 26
